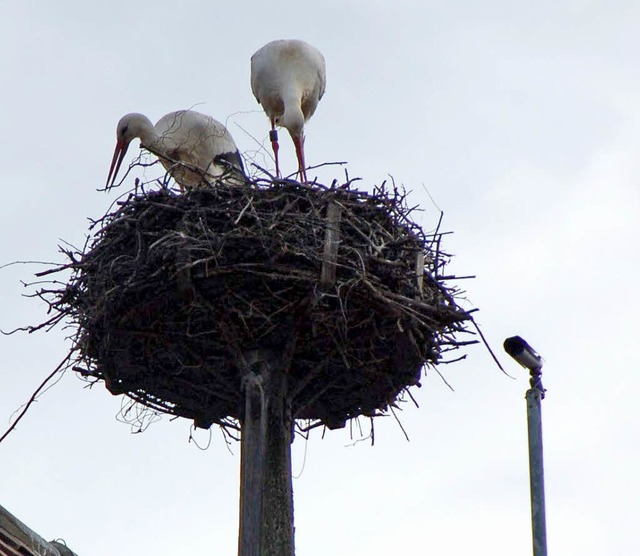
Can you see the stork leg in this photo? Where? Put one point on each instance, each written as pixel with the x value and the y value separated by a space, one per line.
pixel 299 144
pixel 273 135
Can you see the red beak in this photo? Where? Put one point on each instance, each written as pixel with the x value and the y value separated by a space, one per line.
pixel 118 157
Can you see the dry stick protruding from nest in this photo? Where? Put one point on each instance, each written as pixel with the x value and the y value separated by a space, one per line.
pixel 34 396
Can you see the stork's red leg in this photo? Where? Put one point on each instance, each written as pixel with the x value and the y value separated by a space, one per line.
pixel 302 167
pixel 273 135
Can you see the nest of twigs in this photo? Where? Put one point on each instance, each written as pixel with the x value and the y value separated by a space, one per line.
pixel 174 290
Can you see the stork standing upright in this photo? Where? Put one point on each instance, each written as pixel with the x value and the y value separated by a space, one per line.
pixel 288 78
pixel 190 145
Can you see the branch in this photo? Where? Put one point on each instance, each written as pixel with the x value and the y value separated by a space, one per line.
pixel 35 395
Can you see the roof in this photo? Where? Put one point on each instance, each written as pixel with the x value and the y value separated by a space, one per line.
pixel 16 539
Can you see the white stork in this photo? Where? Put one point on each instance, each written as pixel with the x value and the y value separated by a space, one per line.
pixel 288 78
pixel 190 145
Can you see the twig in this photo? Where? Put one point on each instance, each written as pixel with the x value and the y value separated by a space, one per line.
pixel 35 395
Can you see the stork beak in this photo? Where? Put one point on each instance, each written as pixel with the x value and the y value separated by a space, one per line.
pixel 118 157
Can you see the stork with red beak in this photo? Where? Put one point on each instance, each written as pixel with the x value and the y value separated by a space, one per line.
pixel 288 78
pixel 191 146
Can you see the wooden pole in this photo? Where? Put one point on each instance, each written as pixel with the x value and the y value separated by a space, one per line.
pixel 277 500
pixel 266 493
pixel 331 243
pixel 252 455
pixel 420 271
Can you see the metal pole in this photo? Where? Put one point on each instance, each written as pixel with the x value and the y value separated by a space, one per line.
pixel 536 468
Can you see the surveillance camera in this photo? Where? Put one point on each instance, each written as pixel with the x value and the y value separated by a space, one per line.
pixel 523 353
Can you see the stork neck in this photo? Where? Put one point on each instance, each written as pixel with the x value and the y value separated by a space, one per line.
pixel 150 139
pixel 143 128
pixel 293 118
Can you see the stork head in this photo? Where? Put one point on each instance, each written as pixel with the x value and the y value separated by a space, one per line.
pixel 131 126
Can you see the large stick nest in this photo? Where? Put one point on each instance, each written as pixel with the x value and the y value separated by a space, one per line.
pixel 175 292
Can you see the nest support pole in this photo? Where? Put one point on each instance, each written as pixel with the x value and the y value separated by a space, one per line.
pixel 266 493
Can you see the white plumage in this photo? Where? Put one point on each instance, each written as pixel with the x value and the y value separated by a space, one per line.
pixel 288 78
pixel 188 144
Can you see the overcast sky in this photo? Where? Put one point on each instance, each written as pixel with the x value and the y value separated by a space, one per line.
pixel 520 119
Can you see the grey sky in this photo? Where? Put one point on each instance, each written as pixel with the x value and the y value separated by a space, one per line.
pixel 522 120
